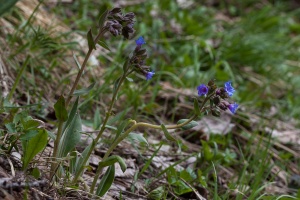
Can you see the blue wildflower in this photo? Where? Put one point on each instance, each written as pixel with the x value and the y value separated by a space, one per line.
pixel 140 41
pixel 149 75
pixel 229 89
pixel 233 107
pixel 202 89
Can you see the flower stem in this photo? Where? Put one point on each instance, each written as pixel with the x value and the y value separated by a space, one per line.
pixel 60 123
pixel 103 126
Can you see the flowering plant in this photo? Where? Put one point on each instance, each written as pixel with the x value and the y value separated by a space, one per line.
pixel 69 123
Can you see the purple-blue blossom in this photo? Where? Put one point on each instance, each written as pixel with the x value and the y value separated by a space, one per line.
pixel 233 107
pixel 229 89
pixel 202 89
pixel 149 75
pixel 140 41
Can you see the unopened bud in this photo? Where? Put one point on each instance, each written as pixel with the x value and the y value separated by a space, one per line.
pixel 115 11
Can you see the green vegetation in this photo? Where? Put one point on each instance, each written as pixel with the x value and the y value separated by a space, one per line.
pixel 109 111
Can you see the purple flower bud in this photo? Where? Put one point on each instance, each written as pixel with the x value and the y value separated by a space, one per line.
pixel 233 107
pixel 140 41
pixel 229 89
pixel 149 75
pixel 202 89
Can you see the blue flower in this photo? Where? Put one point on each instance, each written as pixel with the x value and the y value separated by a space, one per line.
pixel 229 89
pixel 233 107
pixel 202 89
pixel 140 41
pixel 149 75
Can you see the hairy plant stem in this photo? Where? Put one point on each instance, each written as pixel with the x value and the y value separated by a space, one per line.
pixel 60 123
pixel 103 126
pixel 133 127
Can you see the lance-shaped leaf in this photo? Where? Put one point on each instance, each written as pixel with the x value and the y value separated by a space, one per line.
pixel 34 146
pixel 137 137
pixel 104 45
pixel 167 134
pixel 189 125
pixel 60 109
pixel 71 136
pixel 106 181
pixel 71 114
pixel 112 160
pixel 196 107
pixel 102 19
pixel 84 90
pixel 90 39
pixel 6 5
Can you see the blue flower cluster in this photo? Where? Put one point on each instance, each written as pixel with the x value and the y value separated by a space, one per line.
pixel 140 55
pixel 222 93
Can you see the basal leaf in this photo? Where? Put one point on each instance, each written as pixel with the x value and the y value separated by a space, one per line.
pixel 106 181
pixel 33 146
pixel 71 136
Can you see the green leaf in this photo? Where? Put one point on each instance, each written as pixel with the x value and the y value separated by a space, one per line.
pixel 137 137
pixel 189 125
pixel 157 193
pixel 84 90
pixel 29 134
pixel 36 173
pixel 90 39
pixel 196 107
pixel 102 19
pixel 167 134
pixel 126 65
pixel 76 61
pixel 112 160
pixel 6 5
pixel 60 109
pixel 33 146
pixel 104 45
pixel 72 114
pixel 71 136
pixel 84 154
pixel 207 151
pixel 106 181
pixel 30 124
